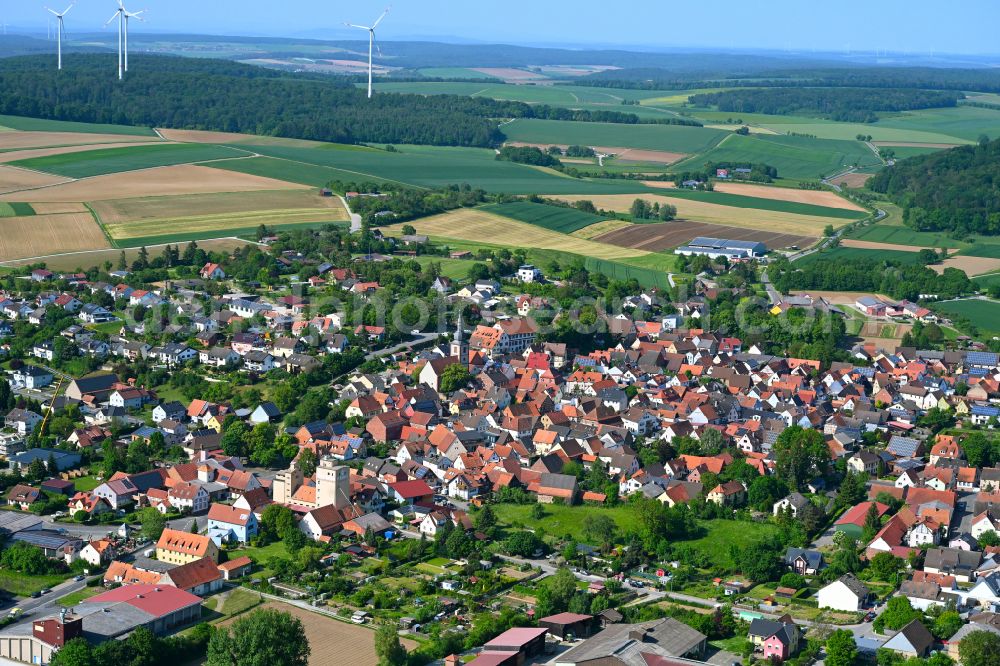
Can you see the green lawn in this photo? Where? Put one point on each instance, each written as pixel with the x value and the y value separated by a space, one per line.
pixel 239 600
pixel 73 598
pixel 42 125
pixel 23 585
pixel 86 483
pixel 669 138
pixel 113 160
pixel 984 314
pixel 560 520
pixel 719 535
pixel 898 235
pixel 261 555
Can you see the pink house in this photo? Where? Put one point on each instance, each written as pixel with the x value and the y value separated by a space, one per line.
pixel 782 644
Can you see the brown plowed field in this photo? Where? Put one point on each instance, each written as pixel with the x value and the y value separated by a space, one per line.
pixel 668 235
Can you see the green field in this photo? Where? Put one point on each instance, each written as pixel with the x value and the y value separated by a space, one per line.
pixel 855 253
pixel 229 232
pixel 556 218
pixel 987 281
pixel 963 122
pixel 73 598
pixel 669 138
pixel 902 152
pixel 886 233
pixel 42 125
pixel 793 156
pixel 454 73
pixel 15 209
pixel 114 160
pixel 420 166
pixel 984 314
pixel 984 247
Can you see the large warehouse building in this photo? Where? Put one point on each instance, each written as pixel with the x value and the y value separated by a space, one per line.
pixel 716 248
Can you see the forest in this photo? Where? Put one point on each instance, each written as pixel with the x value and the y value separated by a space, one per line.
pixel 952 190
pixel 933 78
pixel 206 94
pixel 896 280
pixel 859 105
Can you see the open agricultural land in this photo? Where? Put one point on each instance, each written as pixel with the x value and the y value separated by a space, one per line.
pixel 985 314
pixel 665 236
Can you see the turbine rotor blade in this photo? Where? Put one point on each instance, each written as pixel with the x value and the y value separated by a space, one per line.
pixel 52 11
pixel 113 17
pixel 360 27
pixel 381 17
pixel 66 11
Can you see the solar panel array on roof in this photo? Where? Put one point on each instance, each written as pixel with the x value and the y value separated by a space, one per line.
pixel 724 244
pixel 983 359
pixel 46 539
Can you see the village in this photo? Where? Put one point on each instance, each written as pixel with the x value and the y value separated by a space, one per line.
pixel 502 490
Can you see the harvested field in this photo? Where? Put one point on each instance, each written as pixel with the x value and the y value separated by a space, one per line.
pixel 971 265
pixel 595 230
pixel 22 140
pixel 852 179
pixel 873 245
pixel 31 153
pixel 660 184
pixel 142 209
pixel 815 197
pixel 203 215
pixel 86 258
pixel 753 129
pixel 182 179
pixel 700 211
pixel 37 235
pixel 839 297
pixel 479 226
pixel 668 235
pixel 330 640
pixel 203 136
pixel 52 208
pixel 13 179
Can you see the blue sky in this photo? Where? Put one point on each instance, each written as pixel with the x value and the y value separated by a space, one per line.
pixel 917 26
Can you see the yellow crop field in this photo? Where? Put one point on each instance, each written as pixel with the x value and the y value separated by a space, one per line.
pixel 39 235
pixel 476 225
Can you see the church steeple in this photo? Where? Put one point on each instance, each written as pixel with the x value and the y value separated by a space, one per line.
pixel 459 347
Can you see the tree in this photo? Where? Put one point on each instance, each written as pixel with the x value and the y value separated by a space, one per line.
pixel 76 652
pixel 764 491
pixel 601 529
pixel 486 519
pixel 759 562
pixel 388 648
pixel 307 462
pixel 979 648
pixel 152 523
pixel 711 442
pixel 454 377
pixel 522 544
pixel 409 230
pixel 800 455
pixel 852 489
pixel 262 637
pixel 36 470
pixel 946 624
pixel 989 538
pixel 897 614
pixel 277 521
pixel 841 650
pixel 885 566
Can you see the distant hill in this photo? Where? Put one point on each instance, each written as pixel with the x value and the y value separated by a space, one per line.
pixel 952 190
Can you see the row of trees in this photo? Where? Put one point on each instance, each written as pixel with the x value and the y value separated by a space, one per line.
pixel 842 104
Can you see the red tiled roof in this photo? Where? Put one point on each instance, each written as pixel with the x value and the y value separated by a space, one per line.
pixel 157 600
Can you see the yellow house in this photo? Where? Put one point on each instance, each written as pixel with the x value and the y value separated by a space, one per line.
pixel 177 547
pixel 214 422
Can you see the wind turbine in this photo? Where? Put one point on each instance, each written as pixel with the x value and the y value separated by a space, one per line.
pixel 371 44
pixel 59 27
pixel 123 15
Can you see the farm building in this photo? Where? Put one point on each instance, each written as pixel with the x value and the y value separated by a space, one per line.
pixel 716 248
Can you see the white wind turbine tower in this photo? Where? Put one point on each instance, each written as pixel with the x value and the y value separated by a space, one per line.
pixel 59 27
pixel 123 15
pixel 371 44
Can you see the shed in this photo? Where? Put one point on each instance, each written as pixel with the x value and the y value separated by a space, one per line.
pixel 562 625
